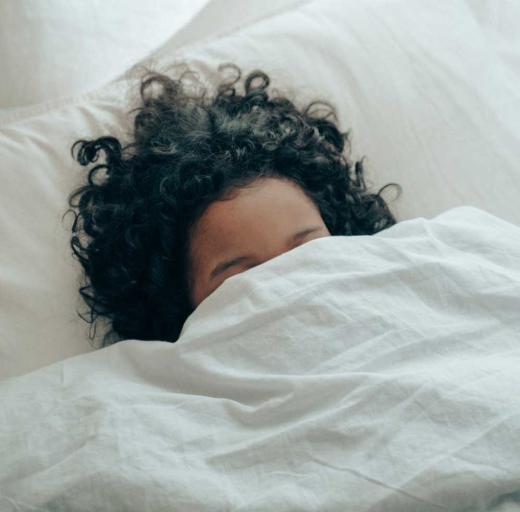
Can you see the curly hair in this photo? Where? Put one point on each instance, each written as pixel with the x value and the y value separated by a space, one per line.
pixel 132 229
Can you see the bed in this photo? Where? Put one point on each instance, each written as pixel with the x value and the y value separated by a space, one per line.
pixel 352 373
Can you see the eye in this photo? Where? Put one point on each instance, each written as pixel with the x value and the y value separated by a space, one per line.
pixel 306 238
pixel 251 266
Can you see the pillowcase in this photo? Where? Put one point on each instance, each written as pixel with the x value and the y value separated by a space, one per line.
pixel 39 279
pixel 58 48
pixel 430 103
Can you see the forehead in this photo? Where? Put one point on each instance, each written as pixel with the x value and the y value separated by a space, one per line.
pixel 269 205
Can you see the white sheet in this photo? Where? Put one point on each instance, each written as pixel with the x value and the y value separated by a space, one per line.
pixel 370 373
pixel 429 90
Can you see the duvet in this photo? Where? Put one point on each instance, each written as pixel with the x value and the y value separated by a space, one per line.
pixel 367 373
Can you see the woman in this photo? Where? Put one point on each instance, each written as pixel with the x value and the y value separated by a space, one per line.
pixel 209 186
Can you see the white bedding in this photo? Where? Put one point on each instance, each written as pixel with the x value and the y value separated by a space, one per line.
pixel 429 90
pixel 54 49
pixel 369 373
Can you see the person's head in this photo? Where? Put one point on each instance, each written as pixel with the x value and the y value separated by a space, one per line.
pixel 208 187
pixel 257 223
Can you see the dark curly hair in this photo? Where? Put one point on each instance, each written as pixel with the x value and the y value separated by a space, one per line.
pixel 188 151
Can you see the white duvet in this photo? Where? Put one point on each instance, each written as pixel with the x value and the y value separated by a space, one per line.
pixel 370 373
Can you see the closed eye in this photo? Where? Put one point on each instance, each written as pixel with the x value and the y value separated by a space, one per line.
pixel 296 240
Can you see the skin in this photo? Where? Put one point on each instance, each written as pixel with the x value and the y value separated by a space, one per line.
pixel 260 220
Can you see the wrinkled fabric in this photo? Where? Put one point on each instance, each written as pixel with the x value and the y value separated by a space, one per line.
pixel 366 373
pixel 427 89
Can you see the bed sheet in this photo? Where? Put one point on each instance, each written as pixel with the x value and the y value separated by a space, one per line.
pixel 369 373
pixel 428 90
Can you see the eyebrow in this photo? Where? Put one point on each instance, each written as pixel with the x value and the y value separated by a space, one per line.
pixel 224 265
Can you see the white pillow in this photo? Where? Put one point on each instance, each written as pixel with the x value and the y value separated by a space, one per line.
pixel 429 101
pixel 58 48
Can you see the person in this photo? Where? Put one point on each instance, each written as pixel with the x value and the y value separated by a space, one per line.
pixel 209 186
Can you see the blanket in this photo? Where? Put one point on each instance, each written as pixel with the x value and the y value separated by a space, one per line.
pixel 365 373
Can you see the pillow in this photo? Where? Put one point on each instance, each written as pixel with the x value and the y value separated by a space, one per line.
pixel 430 102
pixel 39 279
pixel 215 17
pixel 57 48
